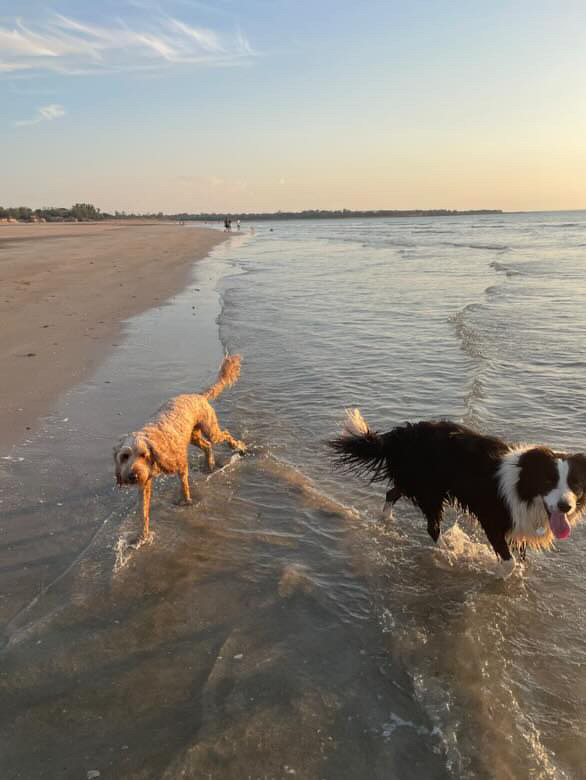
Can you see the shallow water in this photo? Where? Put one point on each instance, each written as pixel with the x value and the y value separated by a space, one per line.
pixel 276 628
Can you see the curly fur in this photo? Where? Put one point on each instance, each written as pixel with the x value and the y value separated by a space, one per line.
pixel 161 446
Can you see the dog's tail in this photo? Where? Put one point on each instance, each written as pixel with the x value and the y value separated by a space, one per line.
pixel 228 374
pixel 359 449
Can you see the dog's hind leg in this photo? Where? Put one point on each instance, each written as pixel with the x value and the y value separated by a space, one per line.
pixel 215 434
pixel 393 495
pixel 200 441
pixel 184 480
pixel 236 444
pixel 433 511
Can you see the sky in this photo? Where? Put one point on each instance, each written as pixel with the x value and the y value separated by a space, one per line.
pixel 266 105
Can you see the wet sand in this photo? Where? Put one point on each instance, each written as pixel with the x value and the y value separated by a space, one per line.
pixel 65 293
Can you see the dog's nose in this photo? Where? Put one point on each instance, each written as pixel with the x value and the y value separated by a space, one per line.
pixel 563 505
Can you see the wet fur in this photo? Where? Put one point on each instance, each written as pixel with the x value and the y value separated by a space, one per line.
pixel 161 446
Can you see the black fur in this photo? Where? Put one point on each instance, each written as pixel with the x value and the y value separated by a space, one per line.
pixel 434 463
pixel 537 471
pixel 431 463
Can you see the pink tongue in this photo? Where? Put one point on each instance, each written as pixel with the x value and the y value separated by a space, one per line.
pixel 559 525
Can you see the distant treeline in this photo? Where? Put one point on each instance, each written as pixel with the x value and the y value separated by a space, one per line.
pixel 84 212
pixel 80 212
pixel 334 214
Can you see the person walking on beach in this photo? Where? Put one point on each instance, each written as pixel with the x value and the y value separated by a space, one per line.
pixel 237 224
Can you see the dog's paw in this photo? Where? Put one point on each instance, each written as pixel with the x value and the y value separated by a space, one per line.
pixel 137 541
pixel 505 569
pixel 184 501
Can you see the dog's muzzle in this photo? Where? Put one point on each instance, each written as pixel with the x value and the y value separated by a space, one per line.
pixel 558 522
pixel 131 479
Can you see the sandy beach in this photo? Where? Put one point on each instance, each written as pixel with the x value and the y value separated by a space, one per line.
pixel 66 289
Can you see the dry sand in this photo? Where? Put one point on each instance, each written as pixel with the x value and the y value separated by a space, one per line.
pixel 64 291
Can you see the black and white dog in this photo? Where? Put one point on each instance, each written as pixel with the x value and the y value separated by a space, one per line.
pixel 522 495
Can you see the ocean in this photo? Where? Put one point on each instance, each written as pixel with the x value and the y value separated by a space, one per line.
pixel 276 627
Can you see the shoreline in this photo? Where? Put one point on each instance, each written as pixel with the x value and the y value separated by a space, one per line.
pixel 66 292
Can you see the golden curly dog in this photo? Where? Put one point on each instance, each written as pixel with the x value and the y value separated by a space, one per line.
pixel 161 446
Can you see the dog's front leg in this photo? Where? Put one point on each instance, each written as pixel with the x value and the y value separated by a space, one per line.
pixel 500 546
pixel 200 441
pixel 145 505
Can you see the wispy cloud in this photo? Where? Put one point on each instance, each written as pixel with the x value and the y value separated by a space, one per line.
pixel 63 44
pixel 44 114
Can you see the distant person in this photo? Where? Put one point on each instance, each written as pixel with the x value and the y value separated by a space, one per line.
pixel 237 224
pixel 227 224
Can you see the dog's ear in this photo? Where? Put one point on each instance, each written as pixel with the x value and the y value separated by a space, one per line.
pixel 161 454
pixel 537 472
pixel 578 467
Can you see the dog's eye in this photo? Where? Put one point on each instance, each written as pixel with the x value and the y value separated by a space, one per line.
pixel 124 457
